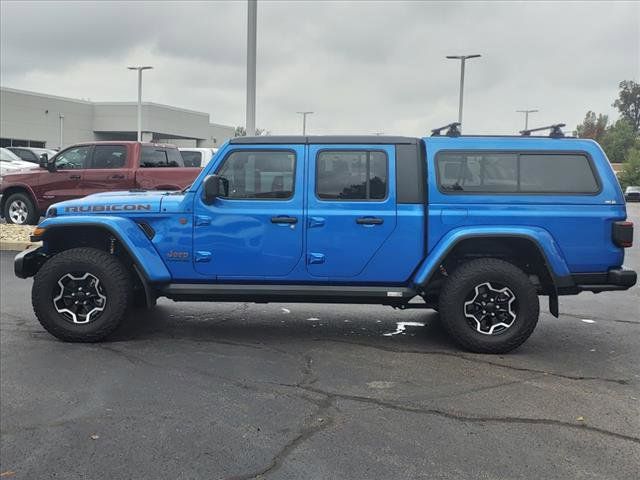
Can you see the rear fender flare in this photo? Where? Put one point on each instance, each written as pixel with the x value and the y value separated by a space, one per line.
pixel 541 238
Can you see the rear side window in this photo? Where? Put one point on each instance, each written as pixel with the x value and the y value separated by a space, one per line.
pixel 109 156
pixel 192 159
pixel 557 173
pixel 160 157
pixel 488 172
pixel 475 172
pixel 351 175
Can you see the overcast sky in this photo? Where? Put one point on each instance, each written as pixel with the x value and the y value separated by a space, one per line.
pixel 363 67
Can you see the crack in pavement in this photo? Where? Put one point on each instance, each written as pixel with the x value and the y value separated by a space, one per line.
pixel 461 417
pixel 462 356
pixel 321 420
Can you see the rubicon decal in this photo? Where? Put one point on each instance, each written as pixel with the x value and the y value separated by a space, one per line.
pixel 109 208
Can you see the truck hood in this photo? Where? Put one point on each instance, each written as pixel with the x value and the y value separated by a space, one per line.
pixel 112 203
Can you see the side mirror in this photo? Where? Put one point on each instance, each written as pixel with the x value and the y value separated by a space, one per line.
pixel 44 160
pixel 214 187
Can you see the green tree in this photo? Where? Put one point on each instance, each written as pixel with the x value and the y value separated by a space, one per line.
pixel 628 103
pixel 618 139
pixel 242 132
pixel 593 126
pixel 630 174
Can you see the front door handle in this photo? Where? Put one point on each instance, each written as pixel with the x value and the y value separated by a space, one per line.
pixel 74 177
pixel 369 221
pixel 117 177
pixel 286 220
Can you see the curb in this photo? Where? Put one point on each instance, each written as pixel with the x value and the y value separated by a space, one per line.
pixel 17 246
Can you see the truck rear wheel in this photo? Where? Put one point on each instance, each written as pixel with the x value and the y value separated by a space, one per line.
pixel 489 306
pixel 81 295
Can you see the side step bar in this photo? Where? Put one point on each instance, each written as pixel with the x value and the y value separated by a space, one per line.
pixel 385 295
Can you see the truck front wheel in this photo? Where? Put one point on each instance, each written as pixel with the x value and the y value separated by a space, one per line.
pixel 20 210
pixel 81 295
pixel 489 306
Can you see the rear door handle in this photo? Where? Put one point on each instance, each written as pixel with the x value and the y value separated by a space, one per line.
pixel 115 177
pixel 74 177
pixel 369 221
pixel 286 220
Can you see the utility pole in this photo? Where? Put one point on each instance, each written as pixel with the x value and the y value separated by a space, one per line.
pixel 304 121
pixel 463 59
pixel 526 116
pixel 140 69
pixel 252 15
pixel 61 129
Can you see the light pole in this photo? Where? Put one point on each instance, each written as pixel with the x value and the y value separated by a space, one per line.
pixel 526 116
pixel 61 129
pixel 304 121
pixel 252 15
pixel 140 69
pixel 463 59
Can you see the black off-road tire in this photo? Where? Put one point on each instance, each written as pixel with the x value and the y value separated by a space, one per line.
pixel 114 279
pixel 32 216
pixel 463 280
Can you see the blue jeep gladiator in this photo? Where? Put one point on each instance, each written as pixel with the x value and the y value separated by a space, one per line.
pixel 476 227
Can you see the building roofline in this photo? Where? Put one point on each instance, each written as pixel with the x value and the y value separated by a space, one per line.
pixel 153 104
pixel 46 95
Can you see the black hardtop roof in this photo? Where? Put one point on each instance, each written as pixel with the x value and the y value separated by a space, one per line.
pixel 324 139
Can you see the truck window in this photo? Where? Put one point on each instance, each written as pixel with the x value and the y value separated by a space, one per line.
pixel 109 156
pixel 478 172
pixel 192 159
pixel 259 174
pixel 154 157
pixel 73 159
pixel 351 175
pixel 557 173
pixel 519 173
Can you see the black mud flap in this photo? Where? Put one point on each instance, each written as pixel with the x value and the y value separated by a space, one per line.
pixel 554 308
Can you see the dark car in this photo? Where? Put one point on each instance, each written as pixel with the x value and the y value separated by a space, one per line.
pixel 632 194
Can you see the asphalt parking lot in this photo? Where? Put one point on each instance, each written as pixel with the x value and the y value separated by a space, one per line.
pixel 299 391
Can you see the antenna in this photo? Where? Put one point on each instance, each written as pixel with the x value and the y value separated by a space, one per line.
pixel 556 130
pixel 453 130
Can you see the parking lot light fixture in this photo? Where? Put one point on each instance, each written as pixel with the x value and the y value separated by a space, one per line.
pixel 463 59
pixel 304 121
pixel 526 116
pixel 140 69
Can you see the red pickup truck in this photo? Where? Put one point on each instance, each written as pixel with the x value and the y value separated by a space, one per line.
pixel 88 168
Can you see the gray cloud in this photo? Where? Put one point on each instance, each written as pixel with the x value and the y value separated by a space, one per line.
pixel 362 66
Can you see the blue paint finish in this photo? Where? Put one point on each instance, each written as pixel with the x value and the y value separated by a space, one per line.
pixel 242 239
pixel 235 240
pixel 128 232
pixel 579 225
pixel 541 237
pixel 346 245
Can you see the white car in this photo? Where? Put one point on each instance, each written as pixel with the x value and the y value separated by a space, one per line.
pixel 10 162
pixel 197 157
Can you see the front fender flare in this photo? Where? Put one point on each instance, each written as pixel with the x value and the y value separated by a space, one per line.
pixel 554 258
pixel 128 233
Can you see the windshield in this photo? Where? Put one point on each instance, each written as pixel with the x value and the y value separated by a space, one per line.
pixel 8 156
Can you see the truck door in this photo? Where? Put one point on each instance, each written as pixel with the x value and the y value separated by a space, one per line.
pixel 351 207
pixel 256 229
pixel 64 183
pixel 109 169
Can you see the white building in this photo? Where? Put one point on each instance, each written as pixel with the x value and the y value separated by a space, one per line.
pixel 39 120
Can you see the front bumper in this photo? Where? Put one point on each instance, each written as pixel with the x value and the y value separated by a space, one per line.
pixel 28 262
